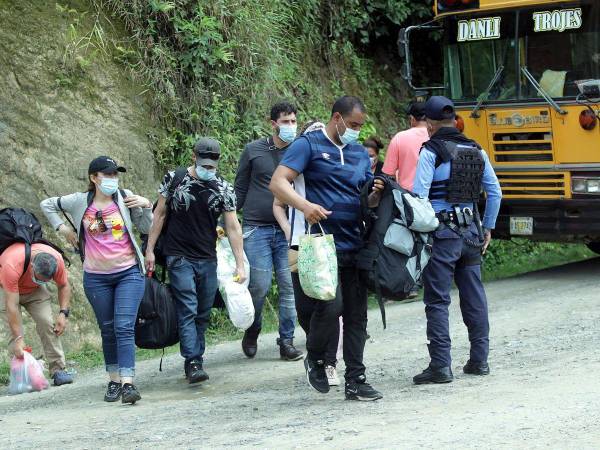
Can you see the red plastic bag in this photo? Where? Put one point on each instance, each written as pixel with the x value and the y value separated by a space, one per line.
pixel 26 375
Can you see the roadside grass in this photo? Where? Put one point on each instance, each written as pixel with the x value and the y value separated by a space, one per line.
pixel 506 259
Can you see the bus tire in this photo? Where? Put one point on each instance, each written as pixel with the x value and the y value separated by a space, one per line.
pixel 594 246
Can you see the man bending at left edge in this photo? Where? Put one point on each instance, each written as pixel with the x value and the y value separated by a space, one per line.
pixel 26 287
pixel 335 167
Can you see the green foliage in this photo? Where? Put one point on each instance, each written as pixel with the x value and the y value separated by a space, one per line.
pixel 83 44
pixel 509 258
pixel 215 67
pixel 363 21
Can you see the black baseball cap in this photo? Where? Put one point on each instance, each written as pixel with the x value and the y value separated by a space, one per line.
pixel 206 145
pixel 417 110
pixel 105 164
pixel 439 108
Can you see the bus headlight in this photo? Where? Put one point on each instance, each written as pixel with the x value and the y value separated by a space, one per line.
pixel 593 186
pixel 586 185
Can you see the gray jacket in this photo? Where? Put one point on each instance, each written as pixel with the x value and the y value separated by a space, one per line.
pixel 76 204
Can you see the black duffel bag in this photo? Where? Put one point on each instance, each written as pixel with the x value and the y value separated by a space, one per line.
pixel 156 323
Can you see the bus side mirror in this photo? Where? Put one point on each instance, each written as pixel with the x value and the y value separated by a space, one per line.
pixel 402 43
pixel 405 71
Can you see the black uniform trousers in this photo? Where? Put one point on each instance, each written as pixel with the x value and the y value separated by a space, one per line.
pixel 455 257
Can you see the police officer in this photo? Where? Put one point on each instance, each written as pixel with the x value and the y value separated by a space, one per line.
pixel 451 172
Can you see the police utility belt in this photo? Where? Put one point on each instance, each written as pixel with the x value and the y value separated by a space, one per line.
pixel 456 217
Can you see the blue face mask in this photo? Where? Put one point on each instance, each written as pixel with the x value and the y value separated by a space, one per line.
pixel 287 133
pixel 205 174
pixel 109 186
pixel 350 136
pixel 36 281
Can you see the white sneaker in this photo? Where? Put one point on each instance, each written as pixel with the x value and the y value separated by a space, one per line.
pixel 332 376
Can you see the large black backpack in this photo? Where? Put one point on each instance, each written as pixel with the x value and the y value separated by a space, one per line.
pixel 395 253
pixel 19 225
pixel 160 257
pixel 156 323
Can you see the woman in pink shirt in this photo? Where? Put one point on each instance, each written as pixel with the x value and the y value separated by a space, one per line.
pixel 113 264
pixel 403 152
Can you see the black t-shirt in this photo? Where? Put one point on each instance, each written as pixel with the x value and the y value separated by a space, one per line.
pixel 194 211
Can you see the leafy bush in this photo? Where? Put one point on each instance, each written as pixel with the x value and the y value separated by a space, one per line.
pixel 215 67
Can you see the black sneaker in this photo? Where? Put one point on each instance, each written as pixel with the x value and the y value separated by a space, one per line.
pixel 130 394
pixel 196 373
pixel 433 375
pixel 113 392
pixel 316 376
pixel 476 368
pixel 362 391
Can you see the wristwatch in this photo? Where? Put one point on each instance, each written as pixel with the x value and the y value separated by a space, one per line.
pixel 65 312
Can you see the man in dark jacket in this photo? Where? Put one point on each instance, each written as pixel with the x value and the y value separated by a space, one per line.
pixel 264 241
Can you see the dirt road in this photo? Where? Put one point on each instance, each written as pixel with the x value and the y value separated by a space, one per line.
pixel 544 390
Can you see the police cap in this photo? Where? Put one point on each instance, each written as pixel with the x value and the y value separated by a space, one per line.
pixel 439 108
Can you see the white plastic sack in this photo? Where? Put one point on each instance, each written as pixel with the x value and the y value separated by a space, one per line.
pixel 26 375
pixel 236 296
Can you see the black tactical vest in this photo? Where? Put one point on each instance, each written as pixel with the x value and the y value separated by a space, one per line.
pixel 466 172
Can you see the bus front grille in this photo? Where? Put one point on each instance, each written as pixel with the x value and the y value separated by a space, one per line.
pixel 530 147
pixel 547 185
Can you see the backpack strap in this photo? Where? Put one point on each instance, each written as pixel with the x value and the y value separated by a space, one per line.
pixel 178 177
pixel 27 257
pixel 58 202
pixel 379 296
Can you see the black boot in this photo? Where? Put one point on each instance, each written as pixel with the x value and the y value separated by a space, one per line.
pixel 476 368
pixel 288 351
pixel 434 375
pixel 196 373
pixel 249 344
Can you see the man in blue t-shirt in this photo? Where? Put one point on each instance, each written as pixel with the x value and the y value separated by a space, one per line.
pixel 335 168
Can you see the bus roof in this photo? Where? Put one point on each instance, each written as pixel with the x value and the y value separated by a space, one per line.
pixel 487 5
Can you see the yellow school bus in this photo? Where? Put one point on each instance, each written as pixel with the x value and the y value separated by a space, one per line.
pixel 525 78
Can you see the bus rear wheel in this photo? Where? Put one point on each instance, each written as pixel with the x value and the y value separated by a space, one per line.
pixel 594 246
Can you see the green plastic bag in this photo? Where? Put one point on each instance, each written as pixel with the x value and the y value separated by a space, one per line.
pixel 317 265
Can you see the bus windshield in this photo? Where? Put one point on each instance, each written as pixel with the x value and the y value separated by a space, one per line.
pixel 475 50
pixel 560 48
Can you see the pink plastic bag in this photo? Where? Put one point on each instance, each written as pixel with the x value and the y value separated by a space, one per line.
pixel 26 375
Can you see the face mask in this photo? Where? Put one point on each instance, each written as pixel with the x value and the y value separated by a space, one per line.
pixel 205 174
pixel 109 186
pixel 287 133
pixel 36 281
pixel 373 160
pixel 350 136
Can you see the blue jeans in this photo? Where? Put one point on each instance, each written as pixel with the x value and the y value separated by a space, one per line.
pixel 267 249
pixel 115 298
pixel 194 285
